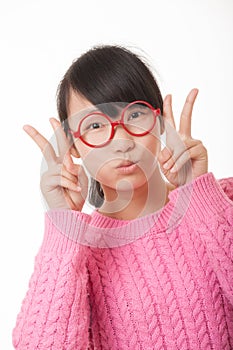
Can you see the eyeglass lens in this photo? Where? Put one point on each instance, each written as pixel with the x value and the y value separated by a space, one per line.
pixel 96 129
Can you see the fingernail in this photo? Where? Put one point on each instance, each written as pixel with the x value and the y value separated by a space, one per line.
pixel 26 127
pixel 52 120
pixel 166 166
pixel 173 170
pixel 166 153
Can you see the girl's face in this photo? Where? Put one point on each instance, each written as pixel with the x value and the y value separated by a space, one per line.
pixel 127 162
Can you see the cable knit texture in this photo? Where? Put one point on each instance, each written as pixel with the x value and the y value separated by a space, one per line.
pixel 163 281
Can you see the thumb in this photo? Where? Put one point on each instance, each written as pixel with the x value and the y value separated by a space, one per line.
pixel 164 155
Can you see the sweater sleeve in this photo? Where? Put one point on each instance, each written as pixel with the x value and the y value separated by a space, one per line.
pixel 55 312
pixel 220 247
pixel 217 235
pixel 227 186
pixel 210 214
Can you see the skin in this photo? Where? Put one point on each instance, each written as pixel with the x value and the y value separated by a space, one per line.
pixel 124 193
pixel 127 196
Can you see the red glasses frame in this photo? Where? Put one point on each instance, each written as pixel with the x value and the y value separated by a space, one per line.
pixel 77 133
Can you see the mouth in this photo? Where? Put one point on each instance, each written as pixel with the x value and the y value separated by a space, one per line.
pixel 125 163
pixel 126 167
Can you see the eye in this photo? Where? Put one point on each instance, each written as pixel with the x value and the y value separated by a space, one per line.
pixel 135 115
pixel 93 123
pixel 95 126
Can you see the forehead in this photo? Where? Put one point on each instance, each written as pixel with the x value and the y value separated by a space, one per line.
pixel 78 107
pixel 77 103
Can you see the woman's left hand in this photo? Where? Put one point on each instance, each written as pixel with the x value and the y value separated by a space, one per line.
pixel 183 159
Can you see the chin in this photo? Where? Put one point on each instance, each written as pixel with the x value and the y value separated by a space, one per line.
pixel 126 184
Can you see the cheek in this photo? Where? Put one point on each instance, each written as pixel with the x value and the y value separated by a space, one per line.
pixel 151 143
pixel 95 160
pixel 155 149
pixel 150 148
pixel 86 155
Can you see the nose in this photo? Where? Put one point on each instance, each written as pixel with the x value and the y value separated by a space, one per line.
pixel 122 141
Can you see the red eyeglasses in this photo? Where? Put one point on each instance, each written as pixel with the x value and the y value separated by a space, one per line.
pixel 96 129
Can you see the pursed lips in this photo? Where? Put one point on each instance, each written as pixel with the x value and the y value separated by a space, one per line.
pixel 125 163
pixel 126 167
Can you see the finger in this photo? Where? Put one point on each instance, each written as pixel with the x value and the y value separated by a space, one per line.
pixel 60 170
pixel 68 199
pixel 70 165
pixel 79 178
pixel 61 181
pixel 180 162
pixel 167 110
pixel 72 198
pixel 65 147
pixel 68 175
pixel 62 141
pixel 165 155
pixel 186 114
pixel 82 178
pixel 44 145
pixel 70 185
pixel 171 160
pixel 190 154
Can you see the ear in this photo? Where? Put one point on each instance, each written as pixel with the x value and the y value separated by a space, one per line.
pixel 74 151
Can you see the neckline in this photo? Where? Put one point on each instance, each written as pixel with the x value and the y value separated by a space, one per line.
pixel 109 232
pixel 160 218
pixel 169 189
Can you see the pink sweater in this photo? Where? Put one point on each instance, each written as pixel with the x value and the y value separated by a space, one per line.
pixel 163 281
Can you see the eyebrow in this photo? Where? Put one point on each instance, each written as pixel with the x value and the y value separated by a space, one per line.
pixel 93 110
pixel 84 112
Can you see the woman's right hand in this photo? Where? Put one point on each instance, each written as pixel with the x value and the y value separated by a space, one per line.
pixel 64 185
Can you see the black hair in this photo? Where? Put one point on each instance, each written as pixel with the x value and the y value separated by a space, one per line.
pixel 107 73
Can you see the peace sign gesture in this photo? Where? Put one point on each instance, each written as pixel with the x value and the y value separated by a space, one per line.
pixel 183 159
pixel 64 184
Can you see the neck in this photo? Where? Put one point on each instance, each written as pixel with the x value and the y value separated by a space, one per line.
pixel 129 205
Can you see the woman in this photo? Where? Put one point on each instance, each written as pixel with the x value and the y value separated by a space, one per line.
pixel 151 267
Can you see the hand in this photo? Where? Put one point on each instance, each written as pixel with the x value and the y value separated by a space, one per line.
pixel 183 159
pixel 64 184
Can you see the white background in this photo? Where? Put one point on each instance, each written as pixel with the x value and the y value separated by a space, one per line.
pixel 188 43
